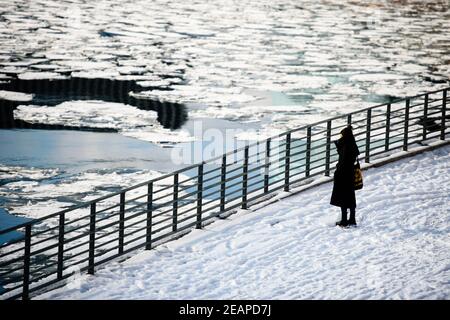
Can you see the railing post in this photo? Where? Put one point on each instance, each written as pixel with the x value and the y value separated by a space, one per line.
pixel 406 131
pixel 91 269
pixel 26 263
pixel 425 116
pixel 199 196
pixel 60 245
pixel 175 203
pixel 222 182
pixel 148 240
pixel 266 167
pixel 369 120
pixel 121 222
pixel 328 149
pixel 388 127
pixel 349 119
pixel 244 179
pixel 444 106
pixel 287 161
pixel 308 151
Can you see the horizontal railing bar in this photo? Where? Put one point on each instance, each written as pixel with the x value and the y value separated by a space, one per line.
pixel 105 235
pixel 170 186
pixel 37 220
pixel 7 290
pixel 87 234
pixel 77 254
pixel 164 196
pixel 186 203
pixel 14 260
pixel 137 238
pixel 435 113
pixel 104 244
pixel 258 179
pixel 211 171
pixel 214 200
pixel 190 217
pixel 78 245
pixel 299 173
pixel 188 210
pixel 109 208
pixel 396 136
pixel 377 135
pixel 33 272
pixel 11 243
pixel 66 223
pixel 39 251
pixel 162 213
pixel 42 278
pixel 189 179
pixel 395 123
pixel 46 284
pixel 33 235
pixel 3 274
pixel 142 221
pixel 10 252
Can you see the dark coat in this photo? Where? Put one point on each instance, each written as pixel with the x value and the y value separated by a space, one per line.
pixel 343 194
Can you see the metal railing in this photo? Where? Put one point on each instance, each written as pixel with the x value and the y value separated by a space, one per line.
pixel 47 250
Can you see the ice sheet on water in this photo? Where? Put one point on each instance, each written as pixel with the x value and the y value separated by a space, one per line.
pixel 231 45
pixel 128 120
pixel 218 51
pixel 41 76
pixel 37 192
pixel 17 173
pixel 374 77
pixel 15 96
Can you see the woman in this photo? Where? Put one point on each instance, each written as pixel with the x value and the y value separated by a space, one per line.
pixel 343 195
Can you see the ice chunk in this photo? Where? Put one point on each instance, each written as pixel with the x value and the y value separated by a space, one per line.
pixel 15 96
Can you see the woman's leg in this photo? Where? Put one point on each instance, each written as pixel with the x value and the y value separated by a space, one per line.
pixel 352 220
pixel 343 221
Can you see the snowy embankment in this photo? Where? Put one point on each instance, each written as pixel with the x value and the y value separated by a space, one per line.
pixel 292 250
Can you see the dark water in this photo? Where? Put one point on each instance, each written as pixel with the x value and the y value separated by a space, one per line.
pixel 53 92
pixel 79 151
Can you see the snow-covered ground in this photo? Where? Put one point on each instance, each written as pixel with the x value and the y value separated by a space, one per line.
pixel 292 250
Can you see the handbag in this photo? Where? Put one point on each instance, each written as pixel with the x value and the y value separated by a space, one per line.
pixel 358 180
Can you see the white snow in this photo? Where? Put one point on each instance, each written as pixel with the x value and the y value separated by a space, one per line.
pixel 292 250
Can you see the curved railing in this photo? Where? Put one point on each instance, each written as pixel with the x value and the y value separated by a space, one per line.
pixel 47 250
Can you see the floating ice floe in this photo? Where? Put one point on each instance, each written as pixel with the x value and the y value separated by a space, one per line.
pixel 131 70
pixel 128 120
pixel 41 76
pixel 15 96
pixel 373 77
pixel 16 173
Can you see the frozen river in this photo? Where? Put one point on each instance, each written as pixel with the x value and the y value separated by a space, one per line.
pixel 143 72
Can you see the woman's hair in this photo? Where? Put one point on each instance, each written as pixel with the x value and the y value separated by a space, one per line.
pixel 347 132
pixel 349 138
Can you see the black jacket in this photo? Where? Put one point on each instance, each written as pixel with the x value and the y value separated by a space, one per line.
pixel 343 194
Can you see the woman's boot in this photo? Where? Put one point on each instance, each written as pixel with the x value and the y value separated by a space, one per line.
pixel 343 222
pixel 352 220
